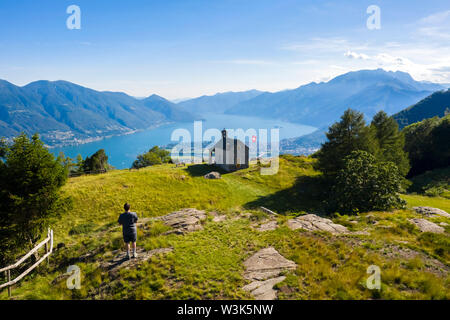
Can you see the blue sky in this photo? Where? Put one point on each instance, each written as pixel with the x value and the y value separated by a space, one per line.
pixel 187 48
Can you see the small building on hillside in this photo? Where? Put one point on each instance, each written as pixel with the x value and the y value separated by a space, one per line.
pixel 229 154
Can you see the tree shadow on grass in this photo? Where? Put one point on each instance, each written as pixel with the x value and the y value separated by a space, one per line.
pixel 308 194
pixel 198 170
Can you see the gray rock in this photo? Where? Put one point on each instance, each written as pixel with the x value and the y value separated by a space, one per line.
pixel 213 175
pixel 427 226
pixel 183 221
pixel 311 222
pixel 217 217
pixel 429 211
pixel 264 269
pixel 263 290
pixel 266 263
pixel 268 226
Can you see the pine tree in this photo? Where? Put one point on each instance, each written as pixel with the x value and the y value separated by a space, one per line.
pixel 30 183
pixel 97 162
pixel 391 142
pixel 349 134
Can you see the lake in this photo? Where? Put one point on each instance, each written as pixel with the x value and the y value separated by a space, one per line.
pixel 123 150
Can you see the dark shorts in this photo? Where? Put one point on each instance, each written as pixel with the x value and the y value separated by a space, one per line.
pixel 130 237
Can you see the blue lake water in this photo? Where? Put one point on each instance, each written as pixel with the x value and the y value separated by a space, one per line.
pixel 123 150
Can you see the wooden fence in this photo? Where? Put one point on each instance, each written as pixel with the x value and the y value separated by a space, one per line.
pixel 47 242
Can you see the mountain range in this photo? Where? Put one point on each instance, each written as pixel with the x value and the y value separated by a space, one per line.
pixel 437 104
pixel 63 112
pixel 218 103
pixel 319 104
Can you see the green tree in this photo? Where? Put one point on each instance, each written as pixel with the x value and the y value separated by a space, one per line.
pixel 67 162
pixel 420 147
pixel 30 193
pixel 365 185
pixel 349 134
pixel 79 164
pixel 391 142
pixel 153 157
pixel 97 162
pixel 440 144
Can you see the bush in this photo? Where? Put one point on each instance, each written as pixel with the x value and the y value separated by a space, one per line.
pixel 153 157
pixel 98 162
pixel 365 185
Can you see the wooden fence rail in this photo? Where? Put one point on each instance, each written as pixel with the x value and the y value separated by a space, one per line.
pixel 47 242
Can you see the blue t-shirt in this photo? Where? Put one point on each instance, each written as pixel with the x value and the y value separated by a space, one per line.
pixel 128 221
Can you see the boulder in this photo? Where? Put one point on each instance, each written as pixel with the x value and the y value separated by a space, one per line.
pixel 266 263
pixel 429 211
pixel 311 222
pixel 217 217
pixel 264 268
pixel 427 226
pixel 263 290
pixel 213 175
pixel 183 221
pixel 268 226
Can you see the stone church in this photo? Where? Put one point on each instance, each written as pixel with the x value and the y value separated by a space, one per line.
pixel 229 154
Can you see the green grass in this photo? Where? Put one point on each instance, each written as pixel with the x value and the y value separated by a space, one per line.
pixel 436 202
pixel 208 264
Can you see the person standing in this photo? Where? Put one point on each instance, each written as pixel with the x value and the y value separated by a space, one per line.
pixel 128 221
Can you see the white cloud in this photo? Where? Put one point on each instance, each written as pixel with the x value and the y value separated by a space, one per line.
pixel 354 55
pixel 435 26
pixel 436 18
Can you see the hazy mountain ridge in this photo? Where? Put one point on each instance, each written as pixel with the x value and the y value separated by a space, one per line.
pixel 320 104
pixel 437 104
pixel 218 103
pixel 63 112
pixel 434 105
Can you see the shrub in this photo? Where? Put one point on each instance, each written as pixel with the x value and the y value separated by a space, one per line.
pixel 365 185
pixel 153 157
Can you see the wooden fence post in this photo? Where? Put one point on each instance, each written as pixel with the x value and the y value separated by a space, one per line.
pixel 48 242
pixel 47 247
pixel 9 287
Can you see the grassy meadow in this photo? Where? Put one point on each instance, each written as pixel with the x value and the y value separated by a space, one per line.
pixel 208 264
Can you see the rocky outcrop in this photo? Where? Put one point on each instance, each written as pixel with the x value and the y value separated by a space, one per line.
pixel 263 290
pixel 429 211
pixel 217 217
pixel 183 221
pixel 213 175
pixel 311 222
pixel 264 268
pixel 268 226
pixel 427 226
